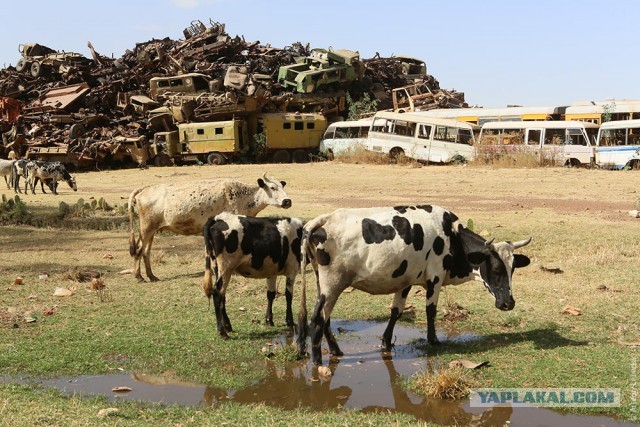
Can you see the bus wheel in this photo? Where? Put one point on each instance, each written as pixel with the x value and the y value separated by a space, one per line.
pixel 281 156
pixel 330 155
pixel 633 165
pixel 572 163
pixel 162 159
pixel 300 156
pixel 216 159
pixel 396 152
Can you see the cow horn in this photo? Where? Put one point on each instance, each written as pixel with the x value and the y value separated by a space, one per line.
pixel 489 242
pixel 264 176
pixel 521 243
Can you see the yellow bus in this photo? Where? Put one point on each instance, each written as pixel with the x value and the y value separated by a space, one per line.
pixel 291 136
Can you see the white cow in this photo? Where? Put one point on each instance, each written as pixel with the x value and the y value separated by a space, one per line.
pixel 386 251
pixel 5 170
pixel 184 208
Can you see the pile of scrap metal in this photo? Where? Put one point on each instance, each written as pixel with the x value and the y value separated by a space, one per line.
pixel 102 112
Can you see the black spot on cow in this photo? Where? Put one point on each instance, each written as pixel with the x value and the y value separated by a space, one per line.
pixel 448 263
pixel 261 239
pixel 403 227
pixel 419 274
pixel 318 236
pixel 400 270
pixel 373 232
pixel 231 245
pixel 438 245
pixel 418 237
pixel 454 217
pixel 447 226
pixel 323 257
pixel 295 248
pixel 426 257
pixel 401 209
pixel 405 291
pixel 217 232
pixel 285 253
pixel 431 285
pixel 427 208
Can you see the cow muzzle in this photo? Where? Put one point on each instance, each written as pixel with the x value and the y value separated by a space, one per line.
pixel 286 203
pixel 505 305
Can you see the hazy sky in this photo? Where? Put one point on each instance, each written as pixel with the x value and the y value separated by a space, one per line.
pixel 497 52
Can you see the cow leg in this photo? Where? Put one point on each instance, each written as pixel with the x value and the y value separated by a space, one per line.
pixel 219 302
pixel 54 186
pixel 16 185
pixel 6 181
pixel 147 241
pixel 271 295
pixel 399 300
pixel 433 292
pixel 225 318
pixel 289 296
pixel 320 321
pixel 334 348
pixel 42 186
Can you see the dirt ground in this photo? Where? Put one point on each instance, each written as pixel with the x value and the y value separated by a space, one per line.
pixel 319 187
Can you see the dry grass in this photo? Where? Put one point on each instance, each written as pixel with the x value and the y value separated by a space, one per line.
pixel 442 383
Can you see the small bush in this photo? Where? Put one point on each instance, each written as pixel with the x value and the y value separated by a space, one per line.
pixel 14 211
pixel 442 383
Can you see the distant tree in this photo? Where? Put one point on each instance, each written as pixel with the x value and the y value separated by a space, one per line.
pixel 364 107
pixel 607 111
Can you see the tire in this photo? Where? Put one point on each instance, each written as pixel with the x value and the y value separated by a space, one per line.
pixel 22 65
pixel 396 152
pixel 300 156
pixel 76 130
pixel 572 163
pixel 162 159
pixel 633 165
pixel 281 156
pixel 36 69
pixel 216 159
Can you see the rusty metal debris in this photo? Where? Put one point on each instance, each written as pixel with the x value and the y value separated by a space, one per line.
pixel 98 111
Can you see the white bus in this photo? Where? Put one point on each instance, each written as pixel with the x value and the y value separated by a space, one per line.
pixel 618 145
pixel 420 137
pixel 561 142
pixel 342 137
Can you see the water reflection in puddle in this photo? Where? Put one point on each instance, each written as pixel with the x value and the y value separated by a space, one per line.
pixel 364 378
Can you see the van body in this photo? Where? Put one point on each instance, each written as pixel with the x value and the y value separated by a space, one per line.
pixel 341 137
pixel 618 145
pixel 562 142
pixel 421 137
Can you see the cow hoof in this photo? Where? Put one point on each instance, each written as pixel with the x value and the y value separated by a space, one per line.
pixel 140 279
pixel 337 353
pixel 153 278
pixel 269 322
pixel 228 328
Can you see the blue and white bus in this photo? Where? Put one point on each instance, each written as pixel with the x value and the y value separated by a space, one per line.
pixel 618 145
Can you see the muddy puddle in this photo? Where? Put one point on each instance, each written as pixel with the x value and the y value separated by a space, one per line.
pixel 364 379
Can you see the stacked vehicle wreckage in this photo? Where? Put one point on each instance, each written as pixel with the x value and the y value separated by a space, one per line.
pixel 102 112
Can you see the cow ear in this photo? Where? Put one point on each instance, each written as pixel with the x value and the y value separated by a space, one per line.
pixel 261 183
pixel 520 261
pixel 477 258
pixel 283 183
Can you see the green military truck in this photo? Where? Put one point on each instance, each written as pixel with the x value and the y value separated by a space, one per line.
pixel 326 70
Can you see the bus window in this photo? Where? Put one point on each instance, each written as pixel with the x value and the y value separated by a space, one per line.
pixel 633 137
pixel 404 128
pixel 445 133
pixel 575 137
pixel 613 137
pixel 424 132
pixel 465 136
pixel 534 136
pixel 554 136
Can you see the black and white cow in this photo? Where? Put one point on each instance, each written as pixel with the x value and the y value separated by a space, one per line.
pixel 387 250
pixel 54 171
pixel 259 248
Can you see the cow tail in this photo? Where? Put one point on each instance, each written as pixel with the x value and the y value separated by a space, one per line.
pixel 208 282
pixel 133 245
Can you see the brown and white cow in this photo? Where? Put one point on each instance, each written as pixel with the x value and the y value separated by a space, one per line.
pixel 387 250
pixel 258 248
pixel 184 208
